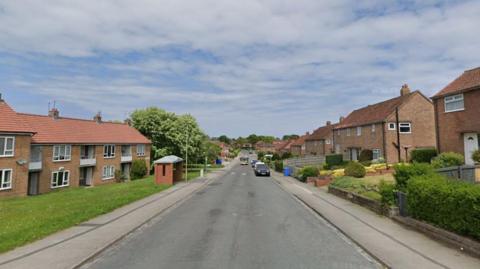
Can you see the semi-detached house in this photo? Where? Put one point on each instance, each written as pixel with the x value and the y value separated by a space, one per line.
pixel 378 128
pixel 320 141
pixel 41 153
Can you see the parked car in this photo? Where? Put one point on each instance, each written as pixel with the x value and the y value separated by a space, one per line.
pixel 253 162
pixel 262 169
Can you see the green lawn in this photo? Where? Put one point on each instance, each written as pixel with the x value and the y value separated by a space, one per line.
pixel 367 186
pixel 26 219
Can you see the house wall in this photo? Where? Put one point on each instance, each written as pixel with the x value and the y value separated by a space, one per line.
pixel 296 150
pixel 318 147
pixel 19 172
pixel 367 139
pixel 452 125
pixel 419 112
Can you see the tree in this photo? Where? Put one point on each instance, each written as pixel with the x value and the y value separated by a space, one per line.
pixel 224 139
pixel 290 137
pixel 212 151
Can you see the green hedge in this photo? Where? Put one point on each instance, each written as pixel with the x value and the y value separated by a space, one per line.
pixel 365 155
pixel 279 166
pixel 139 169
pixel 404 172
pixel 452 205
pixel 423 155
pixel 448 159
pixel 309 171
pixel 333 159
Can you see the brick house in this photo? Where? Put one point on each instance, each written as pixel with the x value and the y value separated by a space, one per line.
pixel 376 127
pixel 262 146
pixel 42 153
pixel 284 147
pixel 297 147
pixel 320 141
pixel 457 115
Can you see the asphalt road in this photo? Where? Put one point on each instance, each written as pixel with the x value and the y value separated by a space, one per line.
pixel 238 221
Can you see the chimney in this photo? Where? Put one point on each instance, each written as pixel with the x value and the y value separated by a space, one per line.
pixel 328 122
pixel 341 119
pixel 54 113
pixel 98 117
pixel 307 133
pixel 128 122
pixel 404 90
pixel 1 100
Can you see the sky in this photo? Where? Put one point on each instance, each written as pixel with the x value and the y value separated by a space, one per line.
pixel 268 67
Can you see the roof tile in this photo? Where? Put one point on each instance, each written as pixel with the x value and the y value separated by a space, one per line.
pixel 10 121
pixel 468 80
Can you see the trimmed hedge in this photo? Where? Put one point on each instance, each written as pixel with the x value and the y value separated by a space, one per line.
pixel 476 156
pixel 139 169
pixel 448 159
pixel 404 172
pixel 365 155
pixel 278 166
pixel 355 169
pixel 309 171
pixel 334 159
pixel 423 155
pixel 452 205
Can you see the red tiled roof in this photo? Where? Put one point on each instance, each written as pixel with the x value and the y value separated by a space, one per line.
pixel 10 121
pixel 286 145
pixel 374 113
pixel 321 133
pixel 77 131
pixel 300 141
pixel 470 79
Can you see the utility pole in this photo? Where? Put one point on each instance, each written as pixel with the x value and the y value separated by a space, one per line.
pixel 398 135
pixel 186 155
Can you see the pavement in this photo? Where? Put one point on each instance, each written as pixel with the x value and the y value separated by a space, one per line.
pixel 73 247
pixel 386 240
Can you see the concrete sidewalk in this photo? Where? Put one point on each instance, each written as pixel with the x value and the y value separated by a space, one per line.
pixel 388 241
pixel 72 247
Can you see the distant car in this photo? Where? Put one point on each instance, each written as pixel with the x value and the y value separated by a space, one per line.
pixel 262 169
pixel 244 160
pixel 253 162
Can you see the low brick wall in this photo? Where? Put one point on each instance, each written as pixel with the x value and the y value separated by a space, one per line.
pixel 373 205
pixel 466 244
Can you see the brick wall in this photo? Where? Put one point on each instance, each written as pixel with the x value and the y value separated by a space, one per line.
pixel 451 125
pixel 367 140
pixel 19 172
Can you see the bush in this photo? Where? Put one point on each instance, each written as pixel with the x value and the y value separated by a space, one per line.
pixel 476 156
pixel 366 163
pixel 448 159
pixel 423 155
pixel 286 155
pixel 333 160
pixel 139 169
pixel 365 155
pixel 355 169
pixel 260 155
pixel 386 190
pixel 309 171
pixel 404 172
pixel 452 205
pixel 279 166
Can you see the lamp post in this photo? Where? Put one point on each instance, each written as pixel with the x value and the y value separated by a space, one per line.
pixel 186 155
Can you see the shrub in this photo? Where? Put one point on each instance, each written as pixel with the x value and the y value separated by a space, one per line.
pixel 366 163
pixel 275 157
pixel 423 155
pixel 476 156
pixel 260 155
pixel 386 190
pixel 404 172
pixel 452 205
pixel 139 169
pixel 355 169
pixel 309 171
pixel 333 160
pixel 448 159
pixel 286 155
pixel 279 166
pixel 365 155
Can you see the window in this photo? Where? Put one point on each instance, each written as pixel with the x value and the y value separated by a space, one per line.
pixel 392 126
pixel 5 179
pixel 359 131
pixel 405 127
pixel 62 152
pixel 454 103
pixel 376 154
pixel 109 151
pixel 108 172
pixel 7 145
pixel 328 142
pixel 60 179
pixel 348 131
pixel 373 128
pixel 140 150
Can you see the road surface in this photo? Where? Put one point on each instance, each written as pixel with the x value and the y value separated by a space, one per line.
pixel 238 221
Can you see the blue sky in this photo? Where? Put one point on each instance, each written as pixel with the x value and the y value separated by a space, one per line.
pixel 240 67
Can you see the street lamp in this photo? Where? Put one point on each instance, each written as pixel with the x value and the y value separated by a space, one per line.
pixel 186 155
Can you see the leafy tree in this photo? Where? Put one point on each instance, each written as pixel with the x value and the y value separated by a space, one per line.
pixel 225 139
pixel 290 137
pixel 212 151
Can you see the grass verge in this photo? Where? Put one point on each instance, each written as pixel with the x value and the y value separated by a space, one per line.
pixel 26 219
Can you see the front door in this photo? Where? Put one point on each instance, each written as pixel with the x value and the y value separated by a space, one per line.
pixel 470 141
pixel 89 176
pixel 33 183
pixel 354 154
pixel 126 170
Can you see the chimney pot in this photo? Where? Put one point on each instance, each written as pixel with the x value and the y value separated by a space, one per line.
pixel 341 119
pixel 54 113
pixel 404 90
pixel 329 122
pixel 98 117
pixel 128 122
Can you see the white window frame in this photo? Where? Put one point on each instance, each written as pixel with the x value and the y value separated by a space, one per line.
pixel 359 130
pixel 108 172
pixel 328 142
pixel 379 152
pixel 142 151
pixel 4 181
pixel 452 99
pixel 65 180
pixel 392 126
pixel 5 149
pixel 373 128
pixel 66 157
pixel 109 154
pixel 404 123
pixel 348 131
